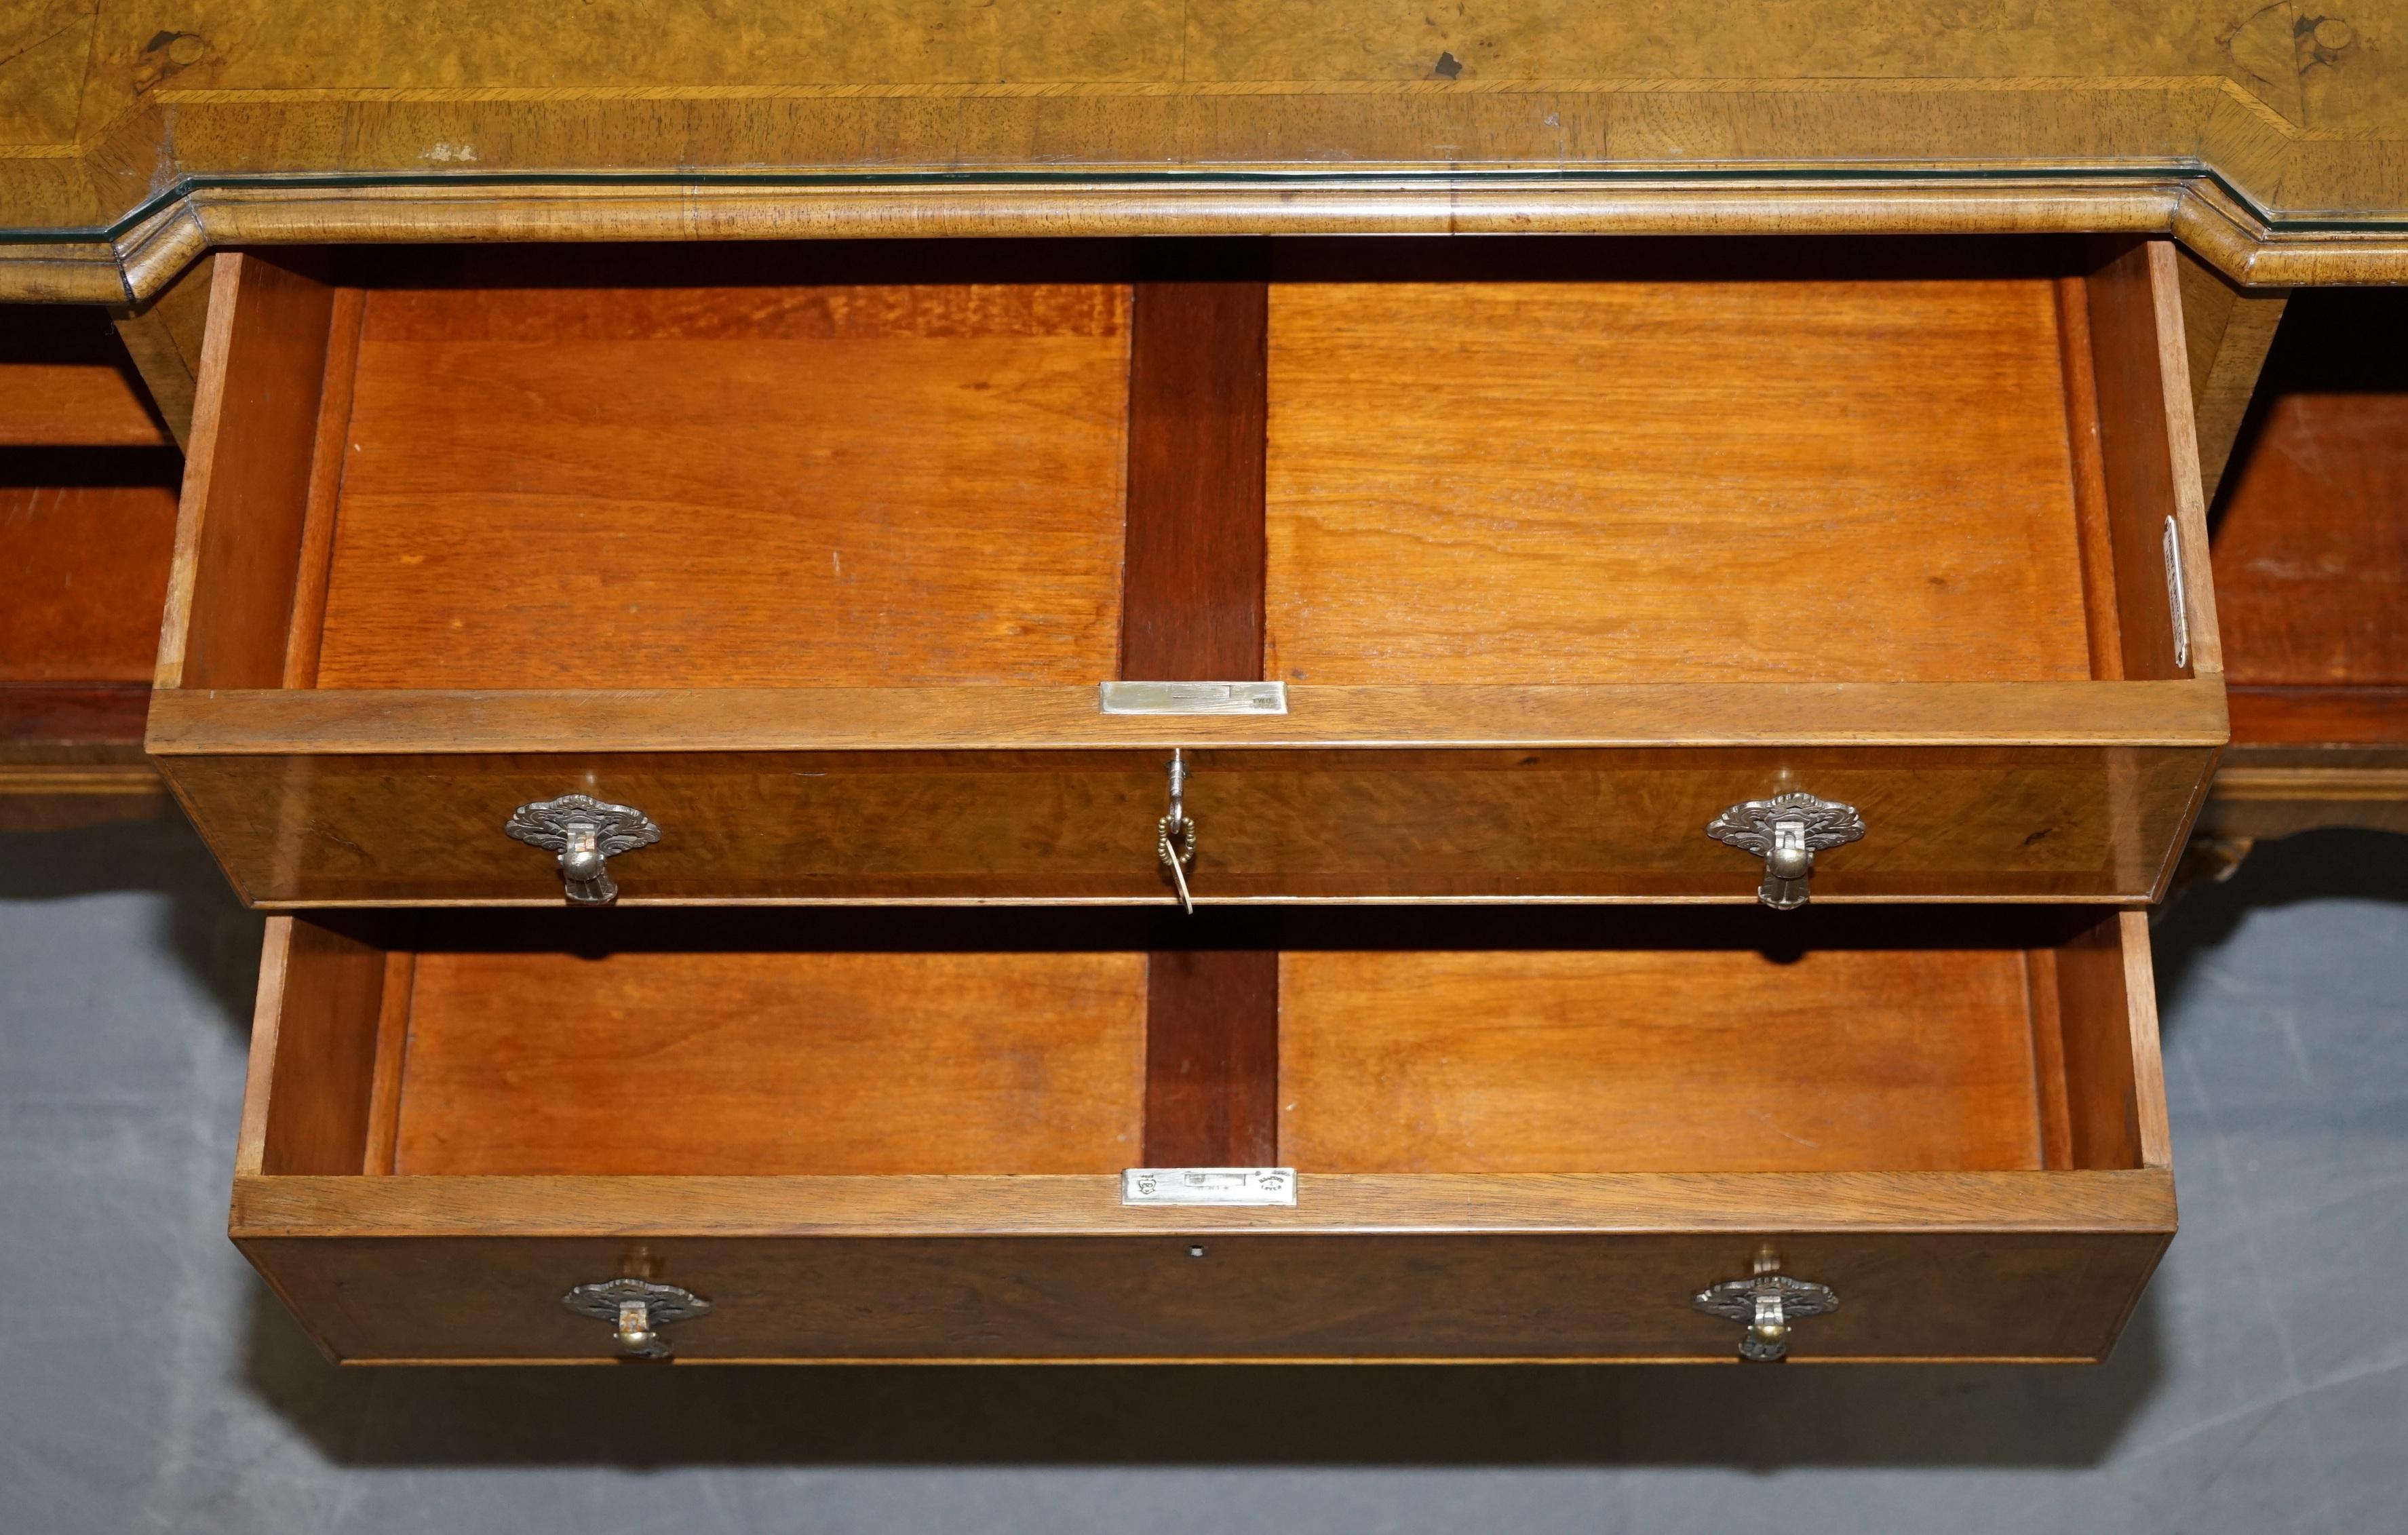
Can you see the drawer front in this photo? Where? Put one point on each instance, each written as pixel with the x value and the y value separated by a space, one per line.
pixel 2025 1296
pixel 2042 822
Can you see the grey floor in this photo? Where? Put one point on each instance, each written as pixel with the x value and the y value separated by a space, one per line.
pixel 148 1382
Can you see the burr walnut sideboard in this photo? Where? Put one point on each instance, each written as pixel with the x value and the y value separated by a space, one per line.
pixel 901 1134
pixel 1515 565
pixel 984 590
pixel 88 476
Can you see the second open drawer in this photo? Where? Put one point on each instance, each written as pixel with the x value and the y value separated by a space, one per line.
pixel 902 1135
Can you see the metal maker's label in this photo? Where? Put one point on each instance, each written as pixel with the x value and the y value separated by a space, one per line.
pixel 1209 1186
pixel 1192 697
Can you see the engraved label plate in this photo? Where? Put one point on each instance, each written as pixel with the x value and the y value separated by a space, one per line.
pixel 1209 1186
pixel 1193 698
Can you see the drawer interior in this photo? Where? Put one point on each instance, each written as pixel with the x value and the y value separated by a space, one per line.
pixel 2311 531
pixel 858 463
pixel 88 481
pixel 906 1043
pixel 88 491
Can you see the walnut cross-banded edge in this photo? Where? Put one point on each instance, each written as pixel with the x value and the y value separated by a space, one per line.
pixel 2267 143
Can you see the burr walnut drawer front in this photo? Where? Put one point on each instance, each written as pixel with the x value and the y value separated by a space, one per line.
pixel 1583 570
pixel 904 1135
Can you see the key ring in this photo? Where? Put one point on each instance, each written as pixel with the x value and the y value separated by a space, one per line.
pixel 1174 836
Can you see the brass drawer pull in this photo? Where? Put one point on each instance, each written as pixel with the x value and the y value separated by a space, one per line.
pixel 639 1309
pixel 1787 831
pixel 1175 836
pixel 1766 1305
pixel 586 832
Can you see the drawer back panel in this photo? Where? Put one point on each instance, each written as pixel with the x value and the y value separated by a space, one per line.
pixel 1560 468
pixel 755 1063
pixel 799 483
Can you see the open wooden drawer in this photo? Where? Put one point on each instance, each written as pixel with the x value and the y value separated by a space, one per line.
pixel 2311 548
pixel 900 1135
pixel 88 478
pixel 815 557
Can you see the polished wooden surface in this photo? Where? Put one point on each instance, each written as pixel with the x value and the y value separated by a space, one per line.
pixel 2312 549
pixel 2229 330
pixel 832 484
pixel 2267 138
pixel 85 536
pixel 2005 823
pixel 1636 1061
pixel 2148 440
pixel 239 534
pixel 1214 1018
pixel 2312 537
pixel 1542 481
pixel 361 781
pixel 2016 1263
pixel 830 1064
pixel 1192 583
pixel 88 479
pixel 1361 1296
pixel 66 381
pixel 163 337
pixel 268 722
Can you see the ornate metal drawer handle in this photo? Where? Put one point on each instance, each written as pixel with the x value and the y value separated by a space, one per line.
pixel 639 1309
pixel 1787 831
pixel 586 832
pixel 1766 1305
pixel 1174 836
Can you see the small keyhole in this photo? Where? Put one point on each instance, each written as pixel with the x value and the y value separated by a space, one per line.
pixel 1195 1252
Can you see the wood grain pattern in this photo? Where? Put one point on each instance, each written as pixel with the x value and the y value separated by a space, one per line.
pixel 1213 1058
pixel 2050 1086
pixel 2252 802
pixel 1698 1061
pixel 85 538
pixel 383 1131
pixel 2150 449
pixel 2344 718
pixel 1735 1206
pixel 66 381
pixel 2055 1296
pixel 1192 587
pixel 306 632
pixel 2093 522
pixel 323 1051
pixel 2311 557
pixel 55 722
pixel 664 487
pixel 2002 1263
pixel 2098 1010
pixel 736 1062
pixel 2311 540
pixel 164 335
pixel 237 536
pixel 273 722
pixel 2229 330
pixel 2014 823
pixel 1535 482
pixel 2245 125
